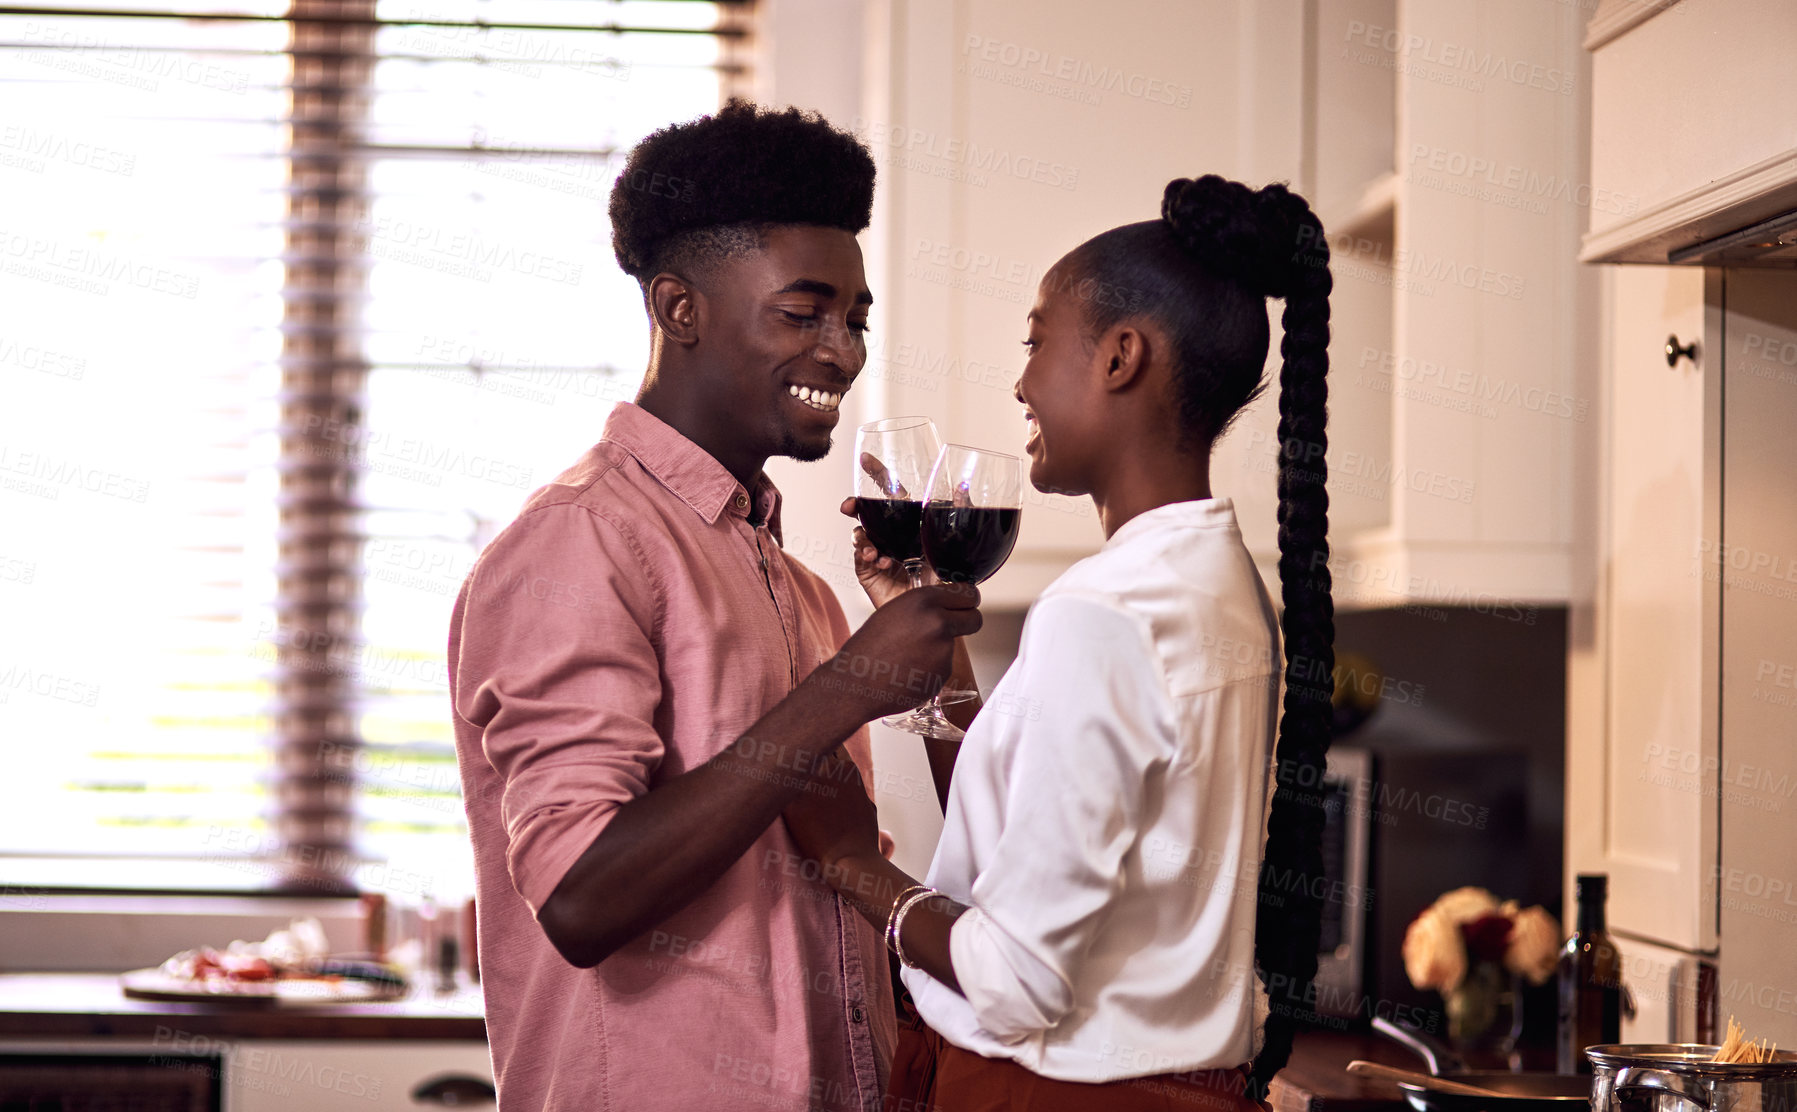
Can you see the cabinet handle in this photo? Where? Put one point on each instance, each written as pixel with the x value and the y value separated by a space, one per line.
pixel 1674 351
pixel 455 1090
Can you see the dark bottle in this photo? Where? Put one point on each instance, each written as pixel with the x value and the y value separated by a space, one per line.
pixel 1590 981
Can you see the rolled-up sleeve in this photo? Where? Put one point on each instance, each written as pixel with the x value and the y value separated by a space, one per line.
pixel 1102 723
pixel 557 668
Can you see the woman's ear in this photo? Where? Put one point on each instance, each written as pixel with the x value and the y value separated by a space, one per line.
pixel 1125 351
pixel 674 306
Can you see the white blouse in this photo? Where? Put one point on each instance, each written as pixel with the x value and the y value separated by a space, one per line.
pixel 1108 814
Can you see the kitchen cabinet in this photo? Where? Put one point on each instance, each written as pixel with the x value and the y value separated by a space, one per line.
pixel 1442 142
pixel 207 1074
pixel 1447 143
pixel 1639 807
pixel 1680 766
pixel 1694 117
pixel 1663 984
pixel 1682 700
pixel 1683 685
pixel 280 1076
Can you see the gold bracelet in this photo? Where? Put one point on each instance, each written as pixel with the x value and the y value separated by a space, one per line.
pixel 898 926
pixel 893 912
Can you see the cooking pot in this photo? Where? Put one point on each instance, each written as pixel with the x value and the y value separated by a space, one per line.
pixel 1679 1077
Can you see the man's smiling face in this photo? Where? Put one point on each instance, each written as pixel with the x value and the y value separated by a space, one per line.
pixel 785 328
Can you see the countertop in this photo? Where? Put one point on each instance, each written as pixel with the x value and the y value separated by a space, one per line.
pixel 91 1005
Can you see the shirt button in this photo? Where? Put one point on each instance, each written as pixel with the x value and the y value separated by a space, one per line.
pixel 742 501
pixel 859 1016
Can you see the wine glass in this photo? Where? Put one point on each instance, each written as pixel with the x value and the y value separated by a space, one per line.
pixel 971 515
pixel 893 458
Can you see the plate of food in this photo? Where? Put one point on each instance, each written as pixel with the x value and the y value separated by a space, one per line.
pixel 289 967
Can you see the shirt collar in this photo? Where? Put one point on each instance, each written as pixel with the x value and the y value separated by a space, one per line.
pixel 1198 512
pixel 690 473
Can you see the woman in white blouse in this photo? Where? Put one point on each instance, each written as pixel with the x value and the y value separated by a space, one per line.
pixel 1090 934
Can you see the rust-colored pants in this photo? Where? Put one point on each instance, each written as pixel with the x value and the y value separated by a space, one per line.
pixel 930 1074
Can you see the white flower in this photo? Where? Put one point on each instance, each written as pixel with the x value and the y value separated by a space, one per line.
pixel 1463 905
pixel 1534 946
pixel 1434 955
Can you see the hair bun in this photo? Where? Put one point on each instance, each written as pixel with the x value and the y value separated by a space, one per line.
pixel 1249 236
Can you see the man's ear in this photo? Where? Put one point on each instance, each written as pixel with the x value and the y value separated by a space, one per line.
pixel 674 307
pixel 1124 350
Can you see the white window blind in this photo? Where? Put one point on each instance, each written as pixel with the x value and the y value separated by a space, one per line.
pixel 298 303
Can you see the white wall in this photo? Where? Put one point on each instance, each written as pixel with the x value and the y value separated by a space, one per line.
pixel 808 53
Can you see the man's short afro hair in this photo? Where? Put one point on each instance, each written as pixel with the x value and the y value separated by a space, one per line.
pixel 744 166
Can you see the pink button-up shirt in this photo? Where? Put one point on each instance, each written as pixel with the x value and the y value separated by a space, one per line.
pixel 629 625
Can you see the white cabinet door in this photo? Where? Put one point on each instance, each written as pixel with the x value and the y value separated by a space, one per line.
pixel 271 1075
pixel 1458 307
pixel 1757 562
pixel 1640 799
pixel 1663 985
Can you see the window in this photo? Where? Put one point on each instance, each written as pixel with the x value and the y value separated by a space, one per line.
pixel 302 301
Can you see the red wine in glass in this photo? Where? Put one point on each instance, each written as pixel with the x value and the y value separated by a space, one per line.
pixel 966 544
pixel 971 515
pixel 893 457
pixel 894 526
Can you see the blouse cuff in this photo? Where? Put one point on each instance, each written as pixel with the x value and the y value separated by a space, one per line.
pixel 1013 994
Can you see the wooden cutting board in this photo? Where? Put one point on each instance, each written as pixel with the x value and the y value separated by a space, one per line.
pixel 154 984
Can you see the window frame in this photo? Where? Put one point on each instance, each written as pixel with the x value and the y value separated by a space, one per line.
pixel 312 797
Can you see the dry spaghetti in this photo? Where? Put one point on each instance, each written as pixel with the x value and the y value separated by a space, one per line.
pixel 1736 1047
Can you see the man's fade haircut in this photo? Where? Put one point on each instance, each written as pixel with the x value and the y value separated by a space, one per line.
pixel 696 193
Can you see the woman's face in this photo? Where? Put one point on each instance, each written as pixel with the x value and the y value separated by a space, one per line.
pixel 1061 390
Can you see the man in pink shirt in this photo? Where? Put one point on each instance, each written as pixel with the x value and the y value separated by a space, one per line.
pixel 643 679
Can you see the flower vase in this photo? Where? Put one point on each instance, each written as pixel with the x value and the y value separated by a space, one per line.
pixel 1482 1011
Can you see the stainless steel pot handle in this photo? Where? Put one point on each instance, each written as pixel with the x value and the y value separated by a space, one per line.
pixel 1440 1059
pixel 1663 1081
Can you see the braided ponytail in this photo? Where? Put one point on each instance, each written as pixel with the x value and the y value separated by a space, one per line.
pixel 1205 270
pixel 1272 244
pixel 1285 944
